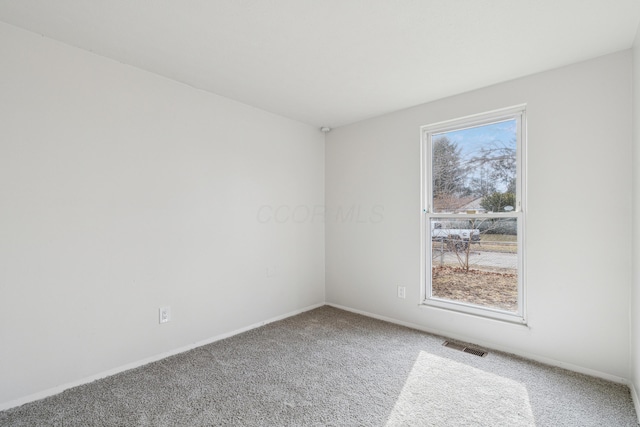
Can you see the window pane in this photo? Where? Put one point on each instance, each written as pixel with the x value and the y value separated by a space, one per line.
pixel 475 261
pixel 474 169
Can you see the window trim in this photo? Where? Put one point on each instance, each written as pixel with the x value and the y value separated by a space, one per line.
pixel 517 112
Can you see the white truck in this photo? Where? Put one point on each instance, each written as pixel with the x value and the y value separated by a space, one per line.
pixel 456 239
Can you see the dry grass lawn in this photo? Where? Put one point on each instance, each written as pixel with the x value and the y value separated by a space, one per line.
pixel 488 289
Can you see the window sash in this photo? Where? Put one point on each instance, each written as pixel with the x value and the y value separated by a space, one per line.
pixel 428 212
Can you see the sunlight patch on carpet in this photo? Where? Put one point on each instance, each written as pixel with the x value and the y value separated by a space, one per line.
pixel 440 391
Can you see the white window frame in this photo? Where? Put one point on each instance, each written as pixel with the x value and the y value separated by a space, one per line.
pixel 427 299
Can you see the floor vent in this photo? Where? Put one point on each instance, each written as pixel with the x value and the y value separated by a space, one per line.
pixel 465 349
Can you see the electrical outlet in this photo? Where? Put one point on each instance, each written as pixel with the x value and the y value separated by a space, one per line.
pixel 165 314
pixel 402 292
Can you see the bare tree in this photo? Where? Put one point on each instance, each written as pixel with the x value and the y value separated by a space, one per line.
pixel 448 173
pixel 497 162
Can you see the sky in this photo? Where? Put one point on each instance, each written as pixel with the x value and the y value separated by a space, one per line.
pixel 470 140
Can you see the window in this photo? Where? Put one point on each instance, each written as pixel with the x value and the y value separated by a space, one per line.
pixel 473 214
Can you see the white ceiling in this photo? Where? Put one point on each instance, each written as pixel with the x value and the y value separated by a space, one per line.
pixel 334 62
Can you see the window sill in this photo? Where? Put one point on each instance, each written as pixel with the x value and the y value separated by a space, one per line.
pixel 474 310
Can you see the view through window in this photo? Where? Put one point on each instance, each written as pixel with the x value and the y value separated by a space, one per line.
pixel 473 214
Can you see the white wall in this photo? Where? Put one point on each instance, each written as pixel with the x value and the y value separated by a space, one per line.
pixel 635 296
pixel 579 188
pixel 120 192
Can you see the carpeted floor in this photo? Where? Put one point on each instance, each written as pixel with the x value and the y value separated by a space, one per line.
pixel 328 367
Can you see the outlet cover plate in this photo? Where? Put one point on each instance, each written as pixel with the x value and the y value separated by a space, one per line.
pixel 164 314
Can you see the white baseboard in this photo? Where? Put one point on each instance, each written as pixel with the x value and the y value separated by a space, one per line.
pixel 59 389
pixel 489 346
